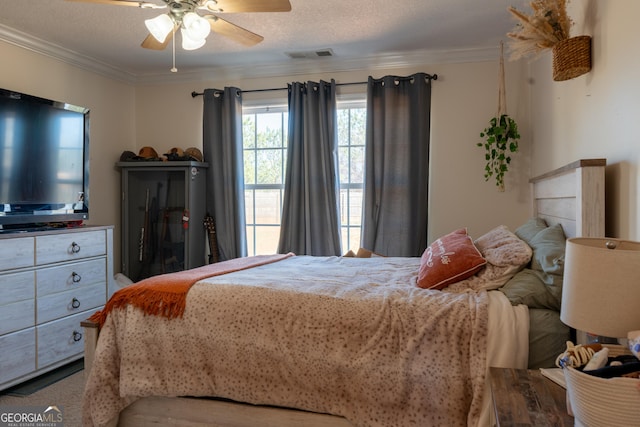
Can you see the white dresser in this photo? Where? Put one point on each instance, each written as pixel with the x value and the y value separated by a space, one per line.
pixel 50 281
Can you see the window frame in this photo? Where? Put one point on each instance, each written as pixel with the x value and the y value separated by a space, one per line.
pixel 256 107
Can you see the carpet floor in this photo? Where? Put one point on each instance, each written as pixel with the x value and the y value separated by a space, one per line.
pixel 65 393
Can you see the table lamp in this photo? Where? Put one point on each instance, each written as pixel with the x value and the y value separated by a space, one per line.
pixel 601 286
pixel 601 296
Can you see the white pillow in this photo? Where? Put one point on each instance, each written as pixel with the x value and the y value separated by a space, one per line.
pixel 506 254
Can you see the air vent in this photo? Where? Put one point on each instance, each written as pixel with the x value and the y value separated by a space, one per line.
pixel 310 54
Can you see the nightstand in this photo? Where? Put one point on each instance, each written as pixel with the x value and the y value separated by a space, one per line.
pixel 526 398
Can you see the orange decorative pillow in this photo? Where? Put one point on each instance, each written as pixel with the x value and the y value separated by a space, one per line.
pixel 449 259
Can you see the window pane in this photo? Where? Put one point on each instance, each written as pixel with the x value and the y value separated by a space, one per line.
pixel 268 206
pixel 269 164
pixel 248 130
pixel 267 239
pixel 356 168
pixel 355 207
pixel 248 206
pixel 350 239
pixel 358 125
pixel 251 241
pixel 269 130
pixel 343 163
pixel 249 167
pixel 343 127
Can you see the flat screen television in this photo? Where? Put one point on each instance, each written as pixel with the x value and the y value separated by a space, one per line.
pixel 44 162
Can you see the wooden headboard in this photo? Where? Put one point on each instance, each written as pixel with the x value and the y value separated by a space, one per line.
pixel 572 196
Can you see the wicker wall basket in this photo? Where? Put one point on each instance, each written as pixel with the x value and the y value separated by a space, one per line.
pixel 571 58
pixel 597 402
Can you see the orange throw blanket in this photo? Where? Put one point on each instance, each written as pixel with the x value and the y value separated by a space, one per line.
pixel 166 294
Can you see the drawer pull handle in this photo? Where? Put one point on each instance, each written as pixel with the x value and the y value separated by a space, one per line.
pixel 75 277
pixel 77 336
pixel 75 303
pixel 75 248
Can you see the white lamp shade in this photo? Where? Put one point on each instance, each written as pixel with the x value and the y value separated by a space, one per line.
pixel 196 26
pixel 190 44
pixel 159 27
pixel 601 286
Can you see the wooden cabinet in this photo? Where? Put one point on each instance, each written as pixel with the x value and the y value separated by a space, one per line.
pixel 49 282
pixel 163 210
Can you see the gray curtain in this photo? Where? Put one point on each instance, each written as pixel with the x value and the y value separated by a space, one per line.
pixel 222 149
pixel 310 214
pixel 394 221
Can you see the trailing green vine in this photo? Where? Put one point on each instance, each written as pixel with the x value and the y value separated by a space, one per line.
pixel 501 139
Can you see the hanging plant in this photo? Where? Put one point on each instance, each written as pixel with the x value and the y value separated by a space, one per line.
pixel 501 139
pixel 501 136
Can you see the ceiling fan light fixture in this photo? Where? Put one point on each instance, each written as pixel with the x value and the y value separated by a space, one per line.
pixel 190 44
pixel 196 26
pixel 159 27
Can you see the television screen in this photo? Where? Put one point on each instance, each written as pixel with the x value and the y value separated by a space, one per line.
pixel 43 160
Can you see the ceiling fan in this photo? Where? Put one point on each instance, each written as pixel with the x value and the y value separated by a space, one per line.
pixel 196 18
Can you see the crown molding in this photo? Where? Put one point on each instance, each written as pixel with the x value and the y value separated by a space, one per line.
pixel 62 54
pixel 292 67
pixel 289 67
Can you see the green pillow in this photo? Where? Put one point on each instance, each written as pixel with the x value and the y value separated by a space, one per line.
pixel 529 229
pixel 548 250
pixel 535 289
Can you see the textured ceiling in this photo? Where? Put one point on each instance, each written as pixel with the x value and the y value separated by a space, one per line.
pixel 361 33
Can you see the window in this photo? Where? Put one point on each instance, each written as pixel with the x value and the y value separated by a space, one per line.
pixel 264 133
pixel 265 152
pixel 351 137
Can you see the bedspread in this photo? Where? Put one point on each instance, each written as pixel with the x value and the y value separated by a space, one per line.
pixel 346 336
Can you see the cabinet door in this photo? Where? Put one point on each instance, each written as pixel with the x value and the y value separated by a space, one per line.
pixel 162 217
pixel 70 246
pixel 154 234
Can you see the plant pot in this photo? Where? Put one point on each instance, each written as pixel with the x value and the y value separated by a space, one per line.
pixel 571 58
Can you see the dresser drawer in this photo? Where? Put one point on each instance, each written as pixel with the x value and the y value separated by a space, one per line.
pixel 55 306
pixel 16 253
pixel 17 301
pixel 17 287
pixel 18 354
pixel 60 339
pixel 70 246
pixel 17 315
pixel 65 277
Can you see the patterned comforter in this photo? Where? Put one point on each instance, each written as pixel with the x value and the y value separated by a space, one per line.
pixel 346 336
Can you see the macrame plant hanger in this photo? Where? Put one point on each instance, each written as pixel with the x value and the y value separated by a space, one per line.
pixel 502 92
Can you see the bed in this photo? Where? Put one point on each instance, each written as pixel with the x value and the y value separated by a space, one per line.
pixel 364 346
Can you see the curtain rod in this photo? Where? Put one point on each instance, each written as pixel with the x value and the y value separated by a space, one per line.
pixel 194 93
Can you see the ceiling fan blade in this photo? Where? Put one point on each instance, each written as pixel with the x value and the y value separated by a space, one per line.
pixel 238 6
pixel 140 4
pixel 150 42
pixel 234 32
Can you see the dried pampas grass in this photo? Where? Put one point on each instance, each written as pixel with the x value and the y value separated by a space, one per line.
pixel 546 26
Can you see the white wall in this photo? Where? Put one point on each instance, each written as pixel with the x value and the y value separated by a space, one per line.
pixel 464 98
pixel 597 114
